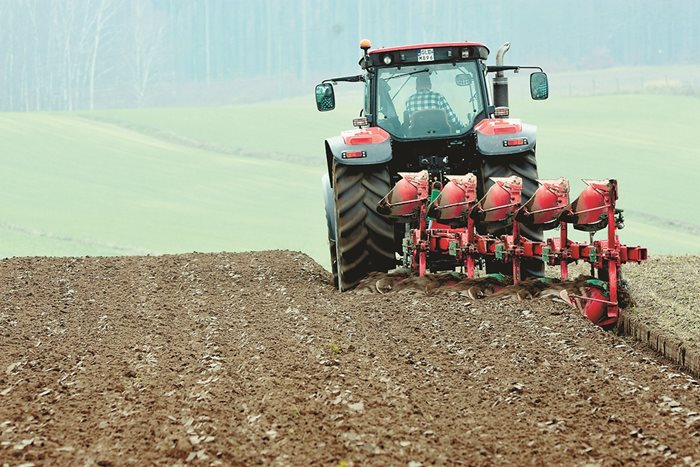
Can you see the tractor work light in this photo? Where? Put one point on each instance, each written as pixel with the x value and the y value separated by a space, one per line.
pixel 360 122
pixel 465 53
pixel 353 154
pixel 387 59
pixel 501 112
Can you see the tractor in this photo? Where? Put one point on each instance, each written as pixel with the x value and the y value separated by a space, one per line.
pixel 436 177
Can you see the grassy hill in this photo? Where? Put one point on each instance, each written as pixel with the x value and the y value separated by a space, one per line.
pixel 248 177
pixel 73 186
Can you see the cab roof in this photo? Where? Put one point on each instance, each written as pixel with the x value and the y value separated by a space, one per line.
pixel 434 45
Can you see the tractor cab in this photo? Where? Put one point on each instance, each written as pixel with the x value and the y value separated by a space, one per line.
pixel 425 91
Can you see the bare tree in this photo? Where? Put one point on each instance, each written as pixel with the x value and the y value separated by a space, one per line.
pixel 70 54
pixel 105 12
pixel 147 31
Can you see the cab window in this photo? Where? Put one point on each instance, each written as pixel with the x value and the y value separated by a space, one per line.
pixel 424 101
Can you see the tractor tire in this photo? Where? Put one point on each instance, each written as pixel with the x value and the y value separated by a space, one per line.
pixel 364 239
pixel 525 167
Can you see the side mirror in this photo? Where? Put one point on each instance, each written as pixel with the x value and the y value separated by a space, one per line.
pixel 325 97
pixel 539 85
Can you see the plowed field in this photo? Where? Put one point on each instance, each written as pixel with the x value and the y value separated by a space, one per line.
pixel 254 358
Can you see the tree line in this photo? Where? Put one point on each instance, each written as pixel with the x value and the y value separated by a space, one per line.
pixel 85 54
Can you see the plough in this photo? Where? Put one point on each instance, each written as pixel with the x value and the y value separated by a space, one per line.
pixel 453 224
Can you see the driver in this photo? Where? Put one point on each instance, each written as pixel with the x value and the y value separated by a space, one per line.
pixel 427 99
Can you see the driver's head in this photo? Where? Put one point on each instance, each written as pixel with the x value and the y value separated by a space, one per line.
pixel 423 82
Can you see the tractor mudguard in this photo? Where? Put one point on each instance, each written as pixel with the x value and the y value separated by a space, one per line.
pixel 502 136
pixel 367 146
pixel 329 204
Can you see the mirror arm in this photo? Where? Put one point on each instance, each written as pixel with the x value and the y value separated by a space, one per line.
pixel 516 68
pixel 349 79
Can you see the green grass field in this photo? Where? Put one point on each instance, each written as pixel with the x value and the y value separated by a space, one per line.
pixel 75 187
pixel 169 180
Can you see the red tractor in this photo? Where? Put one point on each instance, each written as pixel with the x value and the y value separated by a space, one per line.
pixel 438 175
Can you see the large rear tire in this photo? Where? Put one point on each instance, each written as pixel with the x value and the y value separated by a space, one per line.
pixel 525 167
pixel 364 239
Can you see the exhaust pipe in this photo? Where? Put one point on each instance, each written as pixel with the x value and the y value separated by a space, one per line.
pixel 500 81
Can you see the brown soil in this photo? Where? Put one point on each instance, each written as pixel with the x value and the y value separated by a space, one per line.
pixel 254 358
pixel 667 296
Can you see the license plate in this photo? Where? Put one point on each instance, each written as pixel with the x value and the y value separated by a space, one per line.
pixel 426 55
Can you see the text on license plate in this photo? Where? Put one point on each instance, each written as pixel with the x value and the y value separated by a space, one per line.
pixel 426 55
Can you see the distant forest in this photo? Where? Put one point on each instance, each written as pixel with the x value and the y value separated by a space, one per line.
pixel 85 54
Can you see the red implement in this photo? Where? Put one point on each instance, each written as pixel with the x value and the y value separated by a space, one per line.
pixel 501 200
pixel 456 200
pixel 404 201
pixel 451 232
